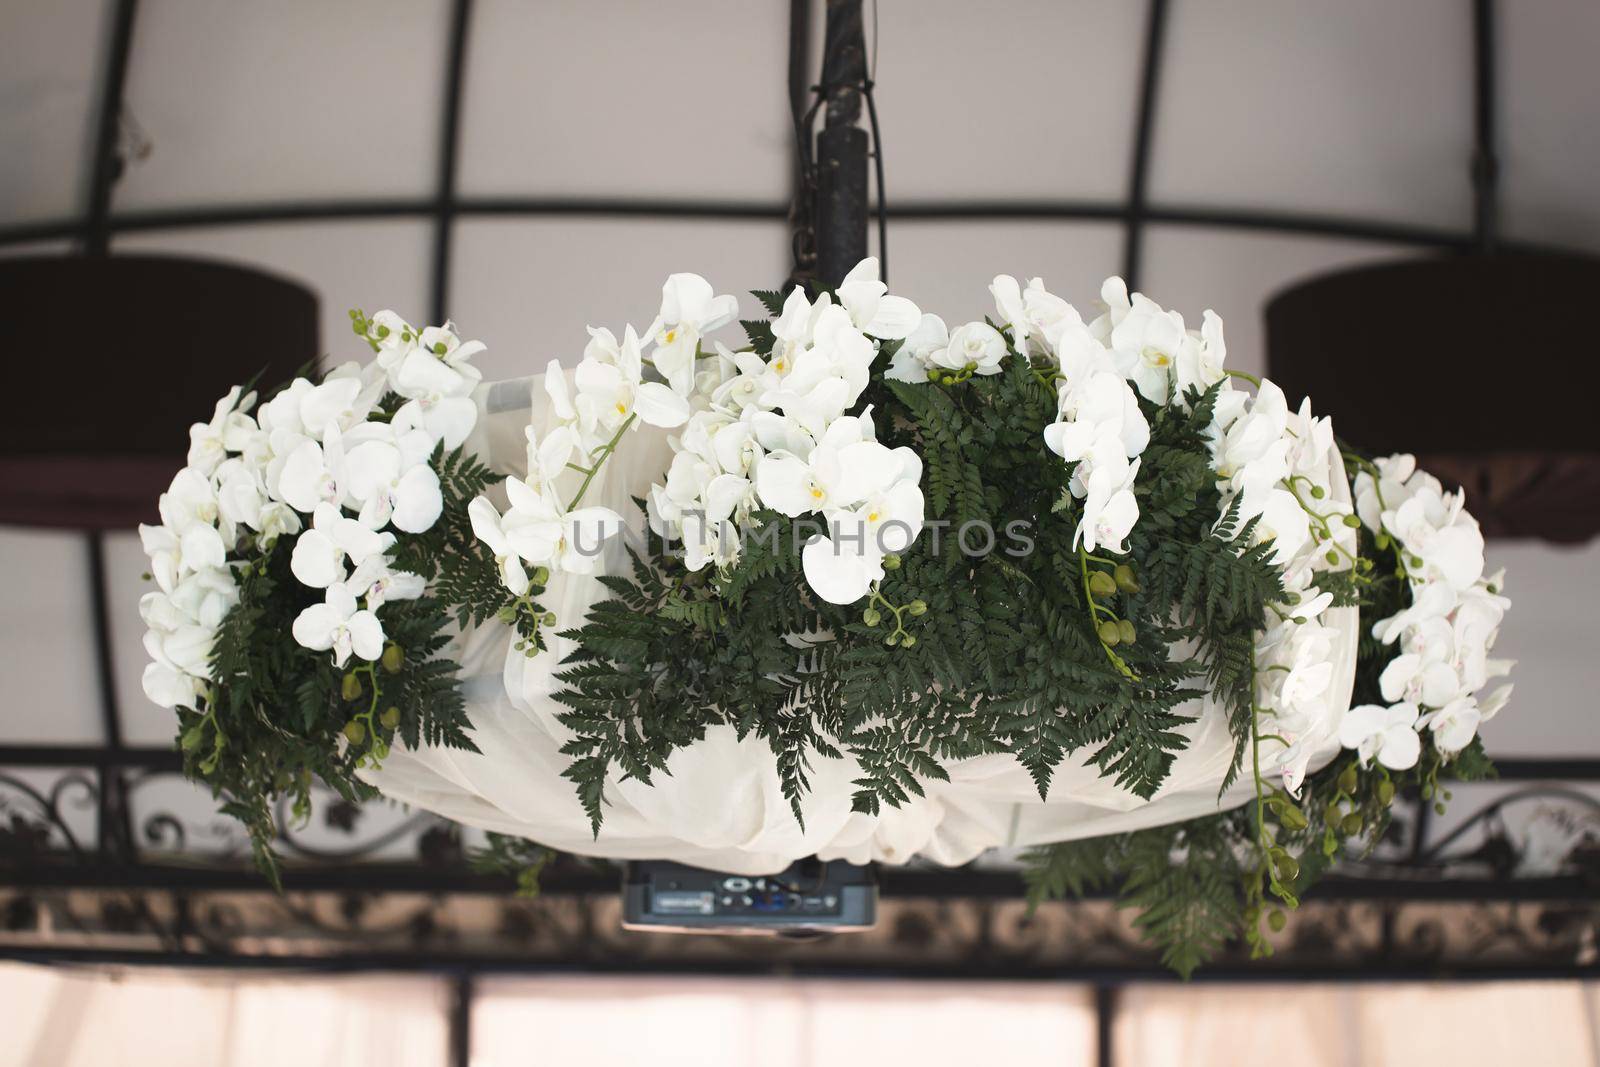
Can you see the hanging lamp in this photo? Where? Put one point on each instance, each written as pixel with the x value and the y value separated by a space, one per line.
pixel 139 344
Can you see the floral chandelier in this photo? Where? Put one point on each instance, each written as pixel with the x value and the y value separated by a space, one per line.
pixel 864 586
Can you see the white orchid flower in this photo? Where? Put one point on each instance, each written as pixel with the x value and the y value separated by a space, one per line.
pixel 874 312
pixel 339 403
pixel 838 350
pixel 1410 677
pixel 913 359
pixel 229 430
pixel 1433 600
pixel 394 482
pixel 320 552
pixel 608 393
pixel 394 338
pixel 338 624
pixel 753 379
pixel 1092 407
pixel 690 309
pixel 1454 725
pixel 191 500
pixel 277 520
pixel 1433 528
pixel 1109 510
pixel 422 375
pixel 448 419
pixel 282 412
pixel 241 494
pixel 184 650
pixel 497 532
pixel 1389 734
pixel 376 584
pixel 1114 297
pixel 442 343
pixel 1255 440
pixel 976 346
pixel 1013 312
pixel 168 687
pixel 840 571
pixel 1147 341
pixel 838 474
pixel 314 474
pixel 1200 360
pixel 548 456
pixel 175 556
pixel 1281 519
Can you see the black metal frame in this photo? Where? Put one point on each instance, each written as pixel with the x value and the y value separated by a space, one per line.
pixel 117 865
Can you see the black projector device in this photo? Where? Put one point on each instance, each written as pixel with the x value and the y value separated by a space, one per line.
pixel 809 897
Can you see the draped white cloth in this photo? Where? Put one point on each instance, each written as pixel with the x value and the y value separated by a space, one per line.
pixel 721 806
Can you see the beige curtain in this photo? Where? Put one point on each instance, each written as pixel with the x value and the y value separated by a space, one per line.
pixel 60 1017
pixel 1474 1024
pixel 671 1022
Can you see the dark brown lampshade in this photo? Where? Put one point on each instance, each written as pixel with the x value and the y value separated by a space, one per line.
pixel 1485 367
pixel 110 362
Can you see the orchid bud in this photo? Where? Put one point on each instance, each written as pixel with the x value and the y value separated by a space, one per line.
pixel 1126 580
pixel 540 576
pixel 1352 521
pixel 891 562
pixel 1317 492
pixel 350 686
pixel 354 732
pixel 1352 824
pixel 917 607
pixel 1347 780
pixel 1102 585
pixel 394 658
pixel 1277 920
pixel 1385 792
pixel 871 617
pixel 1108 633
pixel 1126 632
pixel 908 640
pixel 390 717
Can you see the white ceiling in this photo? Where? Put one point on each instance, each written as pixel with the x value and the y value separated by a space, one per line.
pixel 1360 109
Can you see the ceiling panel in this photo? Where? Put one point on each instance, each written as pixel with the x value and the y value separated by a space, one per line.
pixel 628 98
pixel 1549 136
pixel 1360 108
pixel 46 652
pixel 300 100
pixel 946 267
pixel 527 288
pixel 371 265
pixel 50 59
pixel 1035 100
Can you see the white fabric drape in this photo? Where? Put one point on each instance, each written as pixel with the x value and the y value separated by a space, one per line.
pixel 722 807
pixel 59 1017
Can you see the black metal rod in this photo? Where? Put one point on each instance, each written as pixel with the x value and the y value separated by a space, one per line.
pixel 449 147
pixel 1105 1019
pixel 107 167
pixel 460 1027
pixel 1485 161
pixel 1222 218
pixel 895 883
pixel 113 830
pixel 842 145
pixel 1143 136
pixel 1376 970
